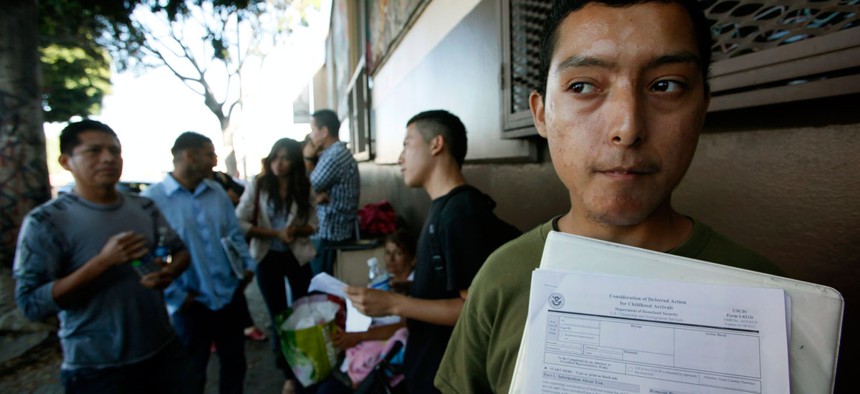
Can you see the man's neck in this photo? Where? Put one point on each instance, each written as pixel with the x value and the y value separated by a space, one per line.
pixel 187 181
pixel 103 196
pixel 329 141
pixel 442 180
pixel 664 230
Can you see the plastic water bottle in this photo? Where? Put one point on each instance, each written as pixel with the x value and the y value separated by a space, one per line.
pixel 146 264
pixel 161 249
pixel 377 276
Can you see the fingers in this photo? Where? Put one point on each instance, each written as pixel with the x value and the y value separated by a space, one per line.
pixel 156 280
pixel 124 247
pixel 355 294
pixel 353 290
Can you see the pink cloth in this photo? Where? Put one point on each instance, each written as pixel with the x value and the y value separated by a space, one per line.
pixel 366 354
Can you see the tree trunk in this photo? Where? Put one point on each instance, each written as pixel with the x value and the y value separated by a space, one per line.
pixel 227 133
pixel 23 168
pixel 24 180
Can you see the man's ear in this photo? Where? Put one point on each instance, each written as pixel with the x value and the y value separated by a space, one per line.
pixel 64 161
pixel 436 144
pixel 536 104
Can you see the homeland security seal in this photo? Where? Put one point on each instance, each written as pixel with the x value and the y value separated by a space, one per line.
pixel 556 300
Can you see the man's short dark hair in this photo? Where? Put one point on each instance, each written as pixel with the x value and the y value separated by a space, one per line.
pixel 328 119
pixel 562 8
pixel 69 139
pixel 441 122
pixel 189 140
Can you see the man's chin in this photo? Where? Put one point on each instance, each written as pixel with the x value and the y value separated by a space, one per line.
pixel 618 216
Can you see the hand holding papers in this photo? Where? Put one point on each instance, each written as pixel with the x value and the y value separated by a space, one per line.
pixel 355 320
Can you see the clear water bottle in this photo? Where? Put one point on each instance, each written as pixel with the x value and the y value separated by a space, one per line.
pixel 161 249
pixel 378 278
pixel 146 264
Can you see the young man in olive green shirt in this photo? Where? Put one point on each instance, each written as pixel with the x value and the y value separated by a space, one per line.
pixel 622 100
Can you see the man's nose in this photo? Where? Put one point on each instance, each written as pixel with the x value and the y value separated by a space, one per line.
pixel 108 155
pixel 626 128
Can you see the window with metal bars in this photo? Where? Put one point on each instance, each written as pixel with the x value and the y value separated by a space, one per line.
pixel 766 52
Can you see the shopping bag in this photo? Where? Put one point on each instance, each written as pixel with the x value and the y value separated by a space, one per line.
pixel 305 331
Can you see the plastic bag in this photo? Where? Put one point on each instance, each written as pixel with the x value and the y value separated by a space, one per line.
pixel 305 332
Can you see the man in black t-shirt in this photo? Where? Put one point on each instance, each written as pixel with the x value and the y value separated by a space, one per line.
pixel 461 230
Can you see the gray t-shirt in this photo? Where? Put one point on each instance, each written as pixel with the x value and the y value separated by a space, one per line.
pixel 118 321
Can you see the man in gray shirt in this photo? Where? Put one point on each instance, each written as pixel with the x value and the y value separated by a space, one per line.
pixel 75 258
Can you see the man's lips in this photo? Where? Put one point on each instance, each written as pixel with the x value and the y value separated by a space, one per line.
pixel 624 172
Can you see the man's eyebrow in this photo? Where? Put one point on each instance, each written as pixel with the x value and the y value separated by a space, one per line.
pixel 584 61
pixel 590 61
pixel 676 58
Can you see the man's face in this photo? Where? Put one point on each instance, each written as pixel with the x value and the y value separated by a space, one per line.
pixel 624 105
pixel 318 134
pixel 96 162
pixel 415 158
pixel 199 161
pixel 213 159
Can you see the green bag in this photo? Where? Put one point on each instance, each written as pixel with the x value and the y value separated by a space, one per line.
pixel 305 331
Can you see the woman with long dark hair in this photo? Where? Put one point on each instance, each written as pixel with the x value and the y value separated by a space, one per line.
pixel 277 213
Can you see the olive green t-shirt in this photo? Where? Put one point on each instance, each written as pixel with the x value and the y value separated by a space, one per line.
pixel 483 349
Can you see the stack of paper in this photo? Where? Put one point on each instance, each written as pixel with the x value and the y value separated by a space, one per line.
pixel 607 318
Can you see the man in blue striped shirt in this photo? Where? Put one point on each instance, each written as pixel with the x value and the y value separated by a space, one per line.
pixel 336 182
pixel 205 302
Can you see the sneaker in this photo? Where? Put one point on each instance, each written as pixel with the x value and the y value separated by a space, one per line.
pixel 255 334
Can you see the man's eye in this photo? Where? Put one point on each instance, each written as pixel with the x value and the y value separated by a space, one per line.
pixel 581 87
pixel 667 86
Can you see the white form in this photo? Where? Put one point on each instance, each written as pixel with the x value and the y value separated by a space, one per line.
pixel 612 334
pixel 355 320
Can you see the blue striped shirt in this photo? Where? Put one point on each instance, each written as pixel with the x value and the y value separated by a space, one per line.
pixel 202 218
pixel 337 174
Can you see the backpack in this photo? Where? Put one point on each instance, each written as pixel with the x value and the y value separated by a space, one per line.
pixel 500 231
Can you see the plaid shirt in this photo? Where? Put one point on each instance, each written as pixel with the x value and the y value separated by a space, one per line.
pixel 337 174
